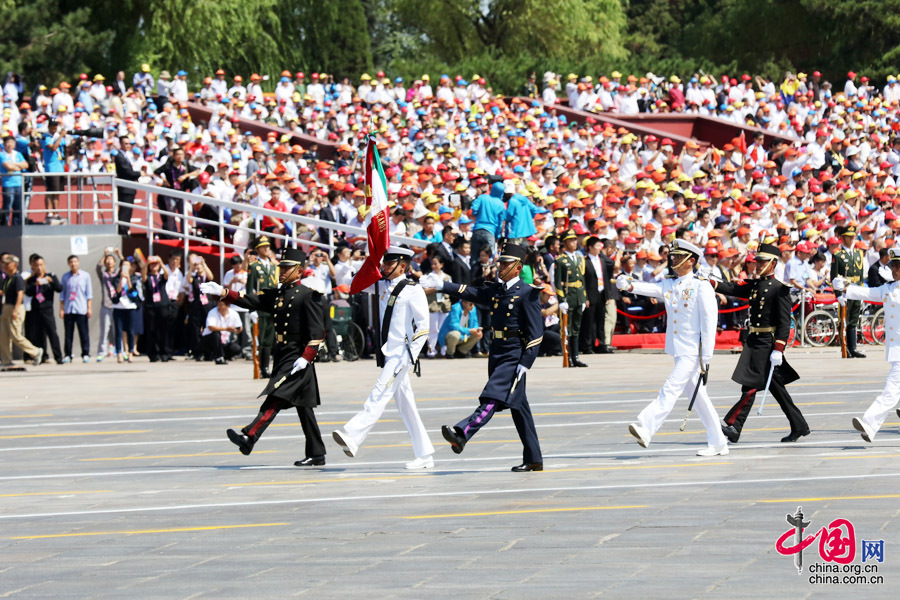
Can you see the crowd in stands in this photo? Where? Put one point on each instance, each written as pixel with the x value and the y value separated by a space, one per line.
pixel 467 168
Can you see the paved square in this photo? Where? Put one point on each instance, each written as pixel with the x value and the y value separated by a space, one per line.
pixel 117 481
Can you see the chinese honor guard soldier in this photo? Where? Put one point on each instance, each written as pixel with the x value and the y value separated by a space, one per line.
pixel 850 264
pixel 404 331
pixel 571 288
pixel 770 325
pixel 296 313
pixel 692 315
pixel 518 330
pixel 263 275
pixel 889 294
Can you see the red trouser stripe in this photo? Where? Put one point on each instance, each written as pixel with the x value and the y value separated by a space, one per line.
pixel 267 416
pixel 740 406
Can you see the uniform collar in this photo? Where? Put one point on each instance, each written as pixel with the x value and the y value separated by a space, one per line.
pixel 512 282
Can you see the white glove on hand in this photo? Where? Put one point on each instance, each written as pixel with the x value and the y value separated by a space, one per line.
pixel 839 284
pixel 299 365
pixel 212 288
pixel 564 307
pixel 254 317
pixel 521 370
pixel 842 300
pixel 776 358
pixel 623 282
pixel 704 271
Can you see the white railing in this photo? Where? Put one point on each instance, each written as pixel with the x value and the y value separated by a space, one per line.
pixel 188 225
pixel 84 198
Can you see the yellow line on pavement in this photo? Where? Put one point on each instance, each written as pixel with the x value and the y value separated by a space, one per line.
pixel 297 424
pixel 54 493
pixel 348 480
pixel 172 455
pixel 524 512
pixel 165 410
pixel 823 498
pixel 139 531
pixel 79 434
pixel 24 416
pixel 467 443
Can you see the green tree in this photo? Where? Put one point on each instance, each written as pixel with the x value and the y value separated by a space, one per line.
pixel 45 43
pixel 333 35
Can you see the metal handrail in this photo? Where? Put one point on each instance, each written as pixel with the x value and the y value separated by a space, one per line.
pixel 71 193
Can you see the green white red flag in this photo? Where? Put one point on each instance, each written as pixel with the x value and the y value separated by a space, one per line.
pixel 376 220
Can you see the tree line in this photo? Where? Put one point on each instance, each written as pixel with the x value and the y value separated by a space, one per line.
pixel 501 40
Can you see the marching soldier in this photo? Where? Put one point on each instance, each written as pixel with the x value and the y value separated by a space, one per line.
pixel 571 288
pixel 263 275
pixel 692 315
pixel 404 331
pixel 889 294
pixel 296 313
pixel 770 326
pixel 850 264
pixel 518 330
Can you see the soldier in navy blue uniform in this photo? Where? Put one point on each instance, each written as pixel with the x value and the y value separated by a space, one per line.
pixel 518 329
pixel 295 307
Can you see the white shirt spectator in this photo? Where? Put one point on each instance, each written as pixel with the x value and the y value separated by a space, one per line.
pixel 217 319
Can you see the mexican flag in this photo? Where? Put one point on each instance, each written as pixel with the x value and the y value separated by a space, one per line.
pixel 376 220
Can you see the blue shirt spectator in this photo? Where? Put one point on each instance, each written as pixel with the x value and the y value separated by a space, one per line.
pixel 453 322
pixel 489 211
pixel 520 217
pixel 429 234
pixel 52 154
pixel 76 292
pixel 11 179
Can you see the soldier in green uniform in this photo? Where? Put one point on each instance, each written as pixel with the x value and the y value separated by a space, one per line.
pixel 263 275
pixel 850 264
pixel 571 289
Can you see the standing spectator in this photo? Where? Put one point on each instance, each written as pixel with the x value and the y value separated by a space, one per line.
pixel 220 334
pixel 610 259
pixel 53 154
pixel 198 303
pixel 489 212
pixel 12 163
pixel 123 159
pixel 438 303
pixel 177 174
pixel 236 280
pixel 156 309
pixel 143 81
pixel 12 320
pixel 163 89
pixel 42 286
pixel 592 318
pixel 124 305
pixel 75 309
pixel 108 275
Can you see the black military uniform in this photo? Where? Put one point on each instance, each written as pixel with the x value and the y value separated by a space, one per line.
pixel 263 275
pixel 850 264
pixel 296 312
pixel 518 329
pixel 770 326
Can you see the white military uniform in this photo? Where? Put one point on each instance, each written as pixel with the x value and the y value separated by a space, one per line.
pixel 692 314
pixel 407 333
pixel 889 294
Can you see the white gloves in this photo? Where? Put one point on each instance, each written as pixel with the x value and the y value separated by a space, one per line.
pixel 623 282
pixel 254 317
pixel 842 300
pixel 776 358
pixel 563 307
pixel 521 370
pixel 299 365
pixel 212 288
pixel 704 271
pixel 839 284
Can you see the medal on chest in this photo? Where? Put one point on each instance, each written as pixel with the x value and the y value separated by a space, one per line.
pixel 687 293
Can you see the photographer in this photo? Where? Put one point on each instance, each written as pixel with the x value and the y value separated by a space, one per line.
pixel 178 174
pixel 53 154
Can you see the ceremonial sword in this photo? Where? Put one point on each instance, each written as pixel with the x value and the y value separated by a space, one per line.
pixel 766 391
pixel 704 374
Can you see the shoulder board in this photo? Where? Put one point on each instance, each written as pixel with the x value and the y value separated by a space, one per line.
pixel 702 278
pixel 537 287
pixel 313 283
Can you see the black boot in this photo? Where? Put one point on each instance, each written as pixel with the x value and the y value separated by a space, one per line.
pixel 852 352
pixel 573 354
pixel 264 355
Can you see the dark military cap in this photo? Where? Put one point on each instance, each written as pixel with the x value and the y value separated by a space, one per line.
pixel 512 253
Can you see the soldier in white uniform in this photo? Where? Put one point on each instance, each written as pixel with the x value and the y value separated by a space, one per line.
pixel 692 314
pixel 404 330
pixel 889 294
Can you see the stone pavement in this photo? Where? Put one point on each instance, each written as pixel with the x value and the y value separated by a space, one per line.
pixel 117 481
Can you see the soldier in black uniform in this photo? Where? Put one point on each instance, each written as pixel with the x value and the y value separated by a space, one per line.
pixel 296 312
pixel 770 326
pixel 518 331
